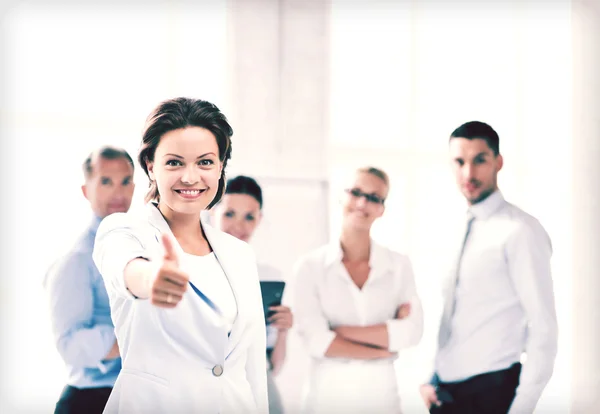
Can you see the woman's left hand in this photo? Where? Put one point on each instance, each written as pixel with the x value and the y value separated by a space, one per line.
pixel 282 319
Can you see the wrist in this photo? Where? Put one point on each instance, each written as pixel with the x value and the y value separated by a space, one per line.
pixel 385 353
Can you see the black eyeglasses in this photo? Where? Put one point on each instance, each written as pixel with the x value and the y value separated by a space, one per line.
pixel 372 198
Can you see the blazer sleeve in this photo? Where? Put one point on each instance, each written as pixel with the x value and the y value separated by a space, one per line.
pixel 256 361
pixel 118 241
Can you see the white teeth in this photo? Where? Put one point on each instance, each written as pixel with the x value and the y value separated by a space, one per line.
pixel 190 192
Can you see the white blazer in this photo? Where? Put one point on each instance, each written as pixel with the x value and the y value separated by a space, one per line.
pixel 182 360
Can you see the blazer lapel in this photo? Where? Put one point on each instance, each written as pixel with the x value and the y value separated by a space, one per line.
pixel 161 226
pixel 229 263
pixel 156 220
pixel 223 253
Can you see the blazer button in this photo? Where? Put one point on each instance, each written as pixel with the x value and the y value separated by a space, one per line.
pixel 217 370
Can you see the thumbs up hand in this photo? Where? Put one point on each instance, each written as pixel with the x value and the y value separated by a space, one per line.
pixel 170 283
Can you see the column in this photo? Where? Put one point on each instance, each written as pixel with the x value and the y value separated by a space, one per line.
pixel 585 395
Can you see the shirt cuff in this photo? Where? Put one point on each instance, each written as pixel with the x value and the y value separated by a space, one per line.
pixel 102 367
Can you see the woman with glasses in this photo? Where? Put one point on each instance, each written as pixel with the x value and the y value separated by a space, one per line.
pixel 355 307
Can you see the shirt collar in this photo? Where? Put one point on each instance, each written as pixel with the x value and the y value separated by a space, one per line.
pixel 487 207
pixel 378 259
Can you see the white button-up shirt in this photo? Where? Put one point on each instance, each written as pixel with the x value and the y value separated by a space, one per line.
pixel 325 297
pixel 504 302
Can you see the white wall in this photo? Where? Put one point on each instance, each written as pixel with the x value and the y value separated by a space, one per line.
pixel 310 99
pixel 279 94
pixel 404 75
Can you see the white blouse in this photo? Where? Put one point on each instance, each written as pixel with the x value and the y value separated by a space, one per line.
pixel 207 275
pixel 326 297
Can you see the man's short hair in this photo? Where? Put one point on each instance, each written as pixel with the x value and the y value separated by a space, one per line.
pixel 108 153
pixel 478 130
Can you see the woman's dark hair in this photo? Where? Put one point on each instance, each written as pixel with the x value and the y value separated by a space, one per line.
pixel 181 113
pixel 245 185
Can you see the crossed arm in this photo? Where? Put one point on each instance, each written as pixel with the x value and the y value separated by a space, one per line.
pixel 357 342
pixel 377 336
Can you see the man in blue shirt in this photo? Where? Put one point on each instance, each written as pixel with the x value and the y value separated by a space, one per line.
pixel 79 306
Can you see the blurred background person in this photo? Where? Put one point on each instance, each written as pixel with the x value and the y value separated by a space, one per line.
pixel 239 213
pixel 356 307
pixel 79 308
pixel 499 296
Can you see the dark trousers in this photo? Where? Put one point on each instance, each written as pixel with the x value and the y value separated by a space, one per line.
pixel 82 400
pixel 489 393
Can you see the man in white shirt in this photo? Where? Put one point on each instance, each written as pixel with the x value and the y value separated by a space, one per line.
pixel 499 300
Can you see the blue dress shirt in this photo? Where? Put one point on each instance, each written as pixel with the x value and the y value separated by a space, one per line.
pixel 80 315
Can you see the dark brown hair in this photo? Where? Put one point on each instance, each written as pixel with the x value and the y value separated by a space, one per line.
pixel 478 130
pixel 181 113
pixel 243 184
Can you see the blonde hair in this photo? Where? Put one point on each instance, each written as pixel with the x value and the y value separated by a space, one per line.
pixel 377 172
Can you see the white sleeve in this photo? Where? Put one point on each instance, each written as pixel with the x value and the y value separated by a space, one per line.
pixel 529 251
pixel 117 243
pixel 407 332
pixel 311 323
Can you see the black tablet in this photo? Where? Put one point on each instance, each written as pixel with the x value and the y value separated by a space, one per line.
pixel 272 291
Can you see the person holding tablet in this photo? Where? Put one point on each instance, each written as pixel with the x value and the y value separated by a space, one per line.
pixel 185 297
pixel 239 213
pixel 356 306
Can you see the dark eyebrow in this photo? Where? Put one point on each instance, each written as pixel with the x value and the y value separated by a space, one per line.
pixel 482 154
pixel 208 153
pixel 180 157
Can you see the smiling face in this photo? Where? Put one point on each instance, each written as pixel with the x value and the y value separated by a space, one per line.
pixel 186 169
pixel 363 202
pixel 475 168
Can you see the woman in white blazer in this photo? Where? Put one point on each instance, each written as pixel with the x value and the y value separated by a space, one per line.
pixel 356 306
pixel 185 298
